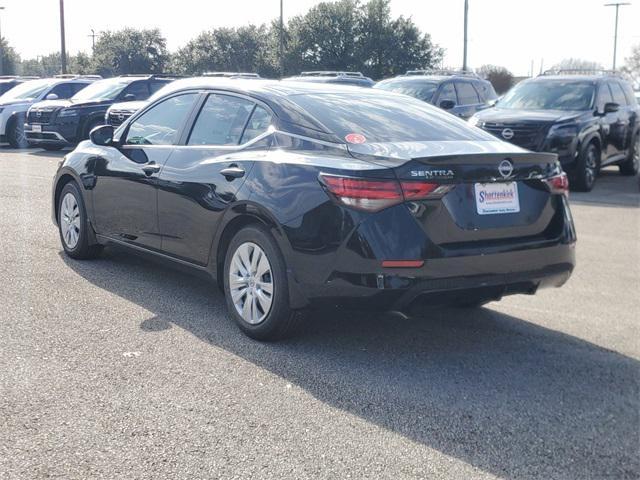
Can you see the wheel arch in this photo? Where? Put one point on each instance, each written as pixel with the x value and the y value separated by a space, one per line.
pixel 235 219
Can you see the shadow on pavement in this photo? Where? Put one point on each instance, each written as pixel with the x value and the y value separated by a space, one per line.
pixel 611 190
pixel 507 396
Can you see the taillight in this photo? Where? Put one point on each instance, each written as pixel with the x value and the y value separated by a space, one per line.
pixel 558 184
pixel 375 195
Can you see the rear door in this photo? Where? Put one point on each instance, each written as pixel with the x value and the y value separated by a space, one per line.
pixel 126 178
pixel 201 178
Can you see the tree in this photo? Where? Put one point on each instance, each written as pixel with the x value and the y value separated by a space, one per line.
pixel 130 51
pixel 9 58
pixel 632 65
pixel 500 77
pixel 243 49
pixel 347 35
pixel 49 65
pixel 577 64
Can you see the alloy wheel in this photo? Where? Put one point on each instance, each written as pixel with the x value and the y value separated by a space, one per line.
pixel 251 283
pixel 591 166
pixel 636 154
pixel 70 220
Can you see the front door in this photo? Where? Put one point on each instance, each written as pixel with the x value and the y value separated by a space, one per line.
pixel 126 177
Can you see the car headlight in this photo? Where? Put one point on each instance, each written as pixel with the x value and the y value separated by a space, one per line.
pixel 562 135
pixel 67 112
pixel 474 121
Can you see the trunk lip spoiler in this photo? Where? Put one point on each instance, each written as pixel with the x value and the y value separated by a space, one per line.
pixel 446 152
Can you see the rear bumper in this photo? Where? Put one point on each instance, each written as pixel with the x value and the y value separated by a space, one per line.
pixel 446 280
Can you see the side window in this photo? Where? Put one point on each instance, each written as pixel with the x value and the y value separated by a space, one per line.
pixel 154 86
pixel 161 125
pixel 604 96
pixel 257 125
pixel 447 93
pixel 76 87
pixel 63 90
pixel 138 89
pixel 466 93
pixel 221 121
pixel 618 94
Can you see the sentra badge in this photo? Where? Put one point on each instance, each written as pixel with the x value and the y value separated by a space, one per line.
pixel 443 173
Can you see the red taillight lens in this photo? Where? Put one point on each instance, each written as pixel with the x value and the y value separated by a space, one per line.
pixel 559 184
pixel 375 195
pixel 371 195
pixel 423 190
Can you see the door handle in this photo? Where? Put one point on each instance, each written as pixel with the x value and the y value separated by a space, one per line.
pixel 232 172
pixel 150 169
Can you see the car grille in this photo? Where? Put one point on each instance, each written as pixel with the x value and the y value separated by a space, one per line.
pixel 117 117
pixel 529 136
pixel 40 116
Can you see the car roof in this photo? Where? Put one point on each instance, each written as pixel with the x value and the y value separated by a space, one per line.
pixel 575 78
pixel 265 88
pixel 433 78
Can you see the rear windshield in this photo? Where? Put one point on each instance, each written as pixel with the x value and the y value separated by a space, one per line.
pixel 386 118
pixel 422 90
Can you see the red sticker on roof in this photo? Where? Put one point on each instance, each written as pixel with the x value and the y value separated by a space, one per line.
pixel 355 138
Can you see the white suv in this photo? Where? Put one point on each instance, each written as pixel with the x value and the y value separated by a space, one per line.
pixel 15 103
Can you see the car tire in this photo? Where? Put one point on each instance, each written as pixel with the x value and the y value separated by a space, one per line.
pixel 15 134
pixel 256 287
pixel 52 148
pixel 587 169
pixel 632 164
pixel 73 224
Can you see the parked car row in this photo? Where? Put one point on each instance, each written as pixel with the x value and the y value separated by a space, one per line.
pixel 589 121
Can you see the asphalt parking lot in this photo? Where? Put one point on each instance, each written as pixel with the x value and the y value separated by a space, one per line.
pixel 124 368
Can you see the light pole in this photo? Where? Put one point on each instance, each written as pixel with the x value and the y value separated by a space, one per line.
pixel 464 54
pixel 93 40
pixel 281 40
pixel 63 48
pixel 615 35
pixel 1 48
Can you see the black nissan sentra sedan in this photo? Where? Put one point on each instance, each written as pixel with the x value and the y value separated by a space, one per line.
pixel 294 196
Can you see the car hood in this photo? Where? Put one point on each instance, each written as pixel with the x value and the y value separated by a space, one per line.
pixel 508 115
pixel 55 104
pixel 129 106
pixel 12 103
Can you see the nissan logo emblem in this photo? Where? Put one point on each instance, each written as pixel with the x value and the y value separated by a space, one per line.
pixel 507 134
pixel 505 168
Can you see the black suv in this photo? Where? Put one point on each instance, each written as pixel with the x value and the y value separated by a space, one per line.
pixel 58 123
pixel 460 93
pixel 343 78
pixel 589 121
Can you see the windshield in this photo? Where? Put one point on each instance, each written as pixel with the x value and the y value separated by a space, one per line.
pixel 550 95
pixel 422 90
pixel 26 90
pixel 102 90
pixel 385 117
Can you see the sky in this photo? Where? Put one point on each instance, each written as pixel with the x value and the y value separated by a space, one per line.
pixel 511 33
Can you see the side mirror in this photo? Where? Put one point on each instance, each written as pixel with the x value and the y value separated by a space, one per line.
pixel 129 97
pixel 447 104
pixel 51 96
pixel 102 135
pixel 611 107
